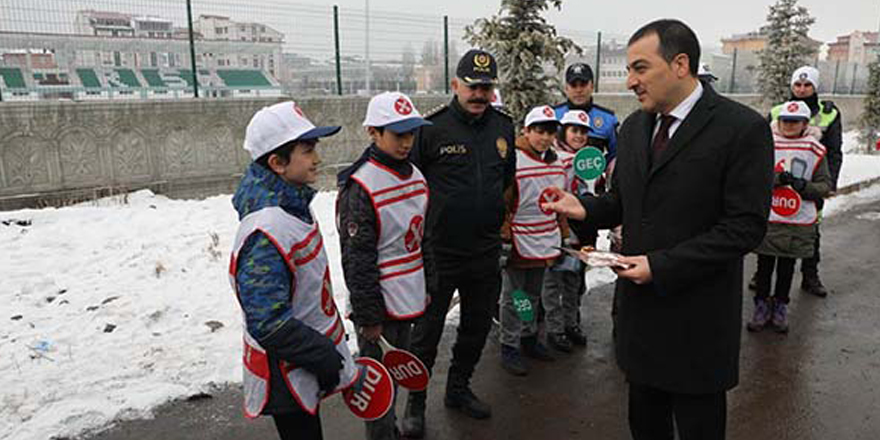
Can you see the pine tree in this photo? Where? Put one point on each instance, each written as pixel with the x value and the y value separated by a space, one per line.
pixel 787 49
pixel 524 45
pixel 870 120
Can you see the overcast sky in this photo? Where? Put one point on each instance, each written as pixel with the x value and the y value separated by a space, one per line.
pixel 711 19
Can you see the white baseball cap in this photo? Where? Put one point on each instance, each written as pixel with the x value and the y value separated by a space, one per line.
pixel 542 113
pixel 576 117
pixel 806 73
pixel 278 124
pixel 394 111
pixel 795 111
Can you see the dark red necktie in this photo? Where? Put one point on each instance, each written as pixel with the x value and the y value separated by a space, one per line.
pixel 661 139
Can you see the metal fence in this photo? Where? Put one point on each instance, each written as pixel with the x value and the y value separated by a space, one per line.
pixel 155 49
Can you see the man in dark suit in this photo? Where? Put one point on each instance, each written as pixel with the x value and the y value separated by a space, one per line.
pixel 692 191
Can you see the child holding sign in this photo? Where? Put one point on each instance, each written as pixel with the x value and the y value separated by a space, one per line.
pixel 802 178
pixel 295 349
pixel 381 210
pixel 531 232
pixel 564 282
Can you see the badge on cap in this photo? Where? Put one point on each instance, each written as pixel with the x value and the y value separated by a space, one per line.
pixel 298 111
pixel 793 107
pixel 804 76
pixel 548 112
pixel 583 117
pixel 402 106
pixel 481 62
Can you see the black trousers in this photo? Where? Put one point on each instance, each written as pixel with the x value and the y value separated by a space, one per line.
pixel 299 426
pixel 784 274
pixel 478 284
pixel 810 266
pixel 654 414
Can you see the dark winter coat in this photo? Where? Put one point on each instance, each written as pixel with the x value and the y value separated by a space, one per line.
pixel 468 162
pixel 695 213
pixel 358 235
pixel 264 286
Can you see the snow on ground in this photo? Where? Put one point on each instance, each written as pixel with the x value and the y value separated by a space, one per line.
pixel 112 308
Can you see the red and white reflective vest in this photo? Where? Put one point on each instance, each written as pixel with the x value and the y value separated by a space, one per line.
pixel 801 157
pixel 311 300
pixel 400 204
pixel 535 231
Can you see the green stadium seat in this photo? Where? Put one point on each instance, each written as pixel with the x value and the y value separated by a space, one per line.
pixel 153 78
pixel 128 78
pixel 88 78
pixel 243 78
pixel 13 77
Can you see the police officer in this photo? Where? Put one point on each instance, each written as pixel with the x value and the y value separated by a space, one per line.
pixel 579 87
pixel 467 159
pixel 579 93
pixel 826 116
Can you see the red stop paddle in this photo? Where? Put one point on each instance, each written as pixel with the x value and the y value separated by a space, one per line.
pixel 372 394
pixel 406 369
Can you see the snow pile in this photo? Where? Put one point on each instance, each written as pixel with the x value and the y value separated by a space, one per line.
pixel 112 308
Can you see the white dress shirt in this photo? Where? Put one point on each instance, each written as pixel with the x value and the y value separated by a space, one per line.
pixel 681 111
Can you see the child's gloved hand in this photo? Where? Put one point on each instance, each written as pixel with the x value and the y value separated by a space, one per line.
pixel 327 370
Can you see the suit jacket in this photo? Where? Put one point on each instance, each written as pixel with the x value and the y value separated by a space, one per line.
pixel 695 213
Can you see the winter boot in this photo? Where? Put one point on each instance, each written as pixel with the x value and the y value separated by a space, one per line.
pixel 560 342
pixel 576 336
pixel 780 317
pixel 512 362
pixel 459 396
pixel 413 423
pixel 534 349
pixel 813 285
pixel 761 316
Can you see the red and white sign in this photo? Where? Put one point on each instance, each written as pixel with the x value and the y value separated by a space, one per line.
pixel 547 196
pixel 402 106
pixel 371 396
pixel 793 107
pixel 406 369
pixel 548 112
pixel 413 238
pixel 786 201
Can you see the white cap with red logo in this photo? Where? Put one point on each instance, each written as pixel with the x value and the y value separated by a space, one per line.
pixel 576 117
pixel 394 111
pixel 276 125
pixel 795 111
pixel 542 113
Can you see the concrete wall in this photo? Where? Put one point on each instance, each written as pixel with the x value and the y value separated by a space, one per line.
pixel 53 153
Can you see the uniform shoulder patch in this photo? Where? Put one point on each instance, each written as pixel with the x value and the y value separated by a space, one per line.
pixel 604 109
pixel 504 113
pixel 436 110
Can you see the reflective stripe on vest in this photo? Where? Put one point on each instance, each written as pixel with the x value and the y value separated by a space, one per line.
pixel 535 231
pixel 822 120
pixel 801 157
pixel 400 204
pixel 312 303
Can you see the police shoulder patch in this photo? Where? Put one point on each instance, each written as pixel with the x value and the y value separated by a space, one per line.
pixel 504 113
pixel 435 111
pixel 604 109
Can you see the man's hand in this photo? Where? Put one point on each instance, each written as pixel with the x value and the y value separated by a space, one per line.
pixel 565 204
pixel 638 271
pixel 371 332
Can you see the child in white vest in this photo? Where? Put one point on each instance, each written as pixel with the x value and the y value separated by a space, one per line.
pixel 564 282
pixel 802 179
pixel 381 210
pixel 532 235
pixel 295 349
